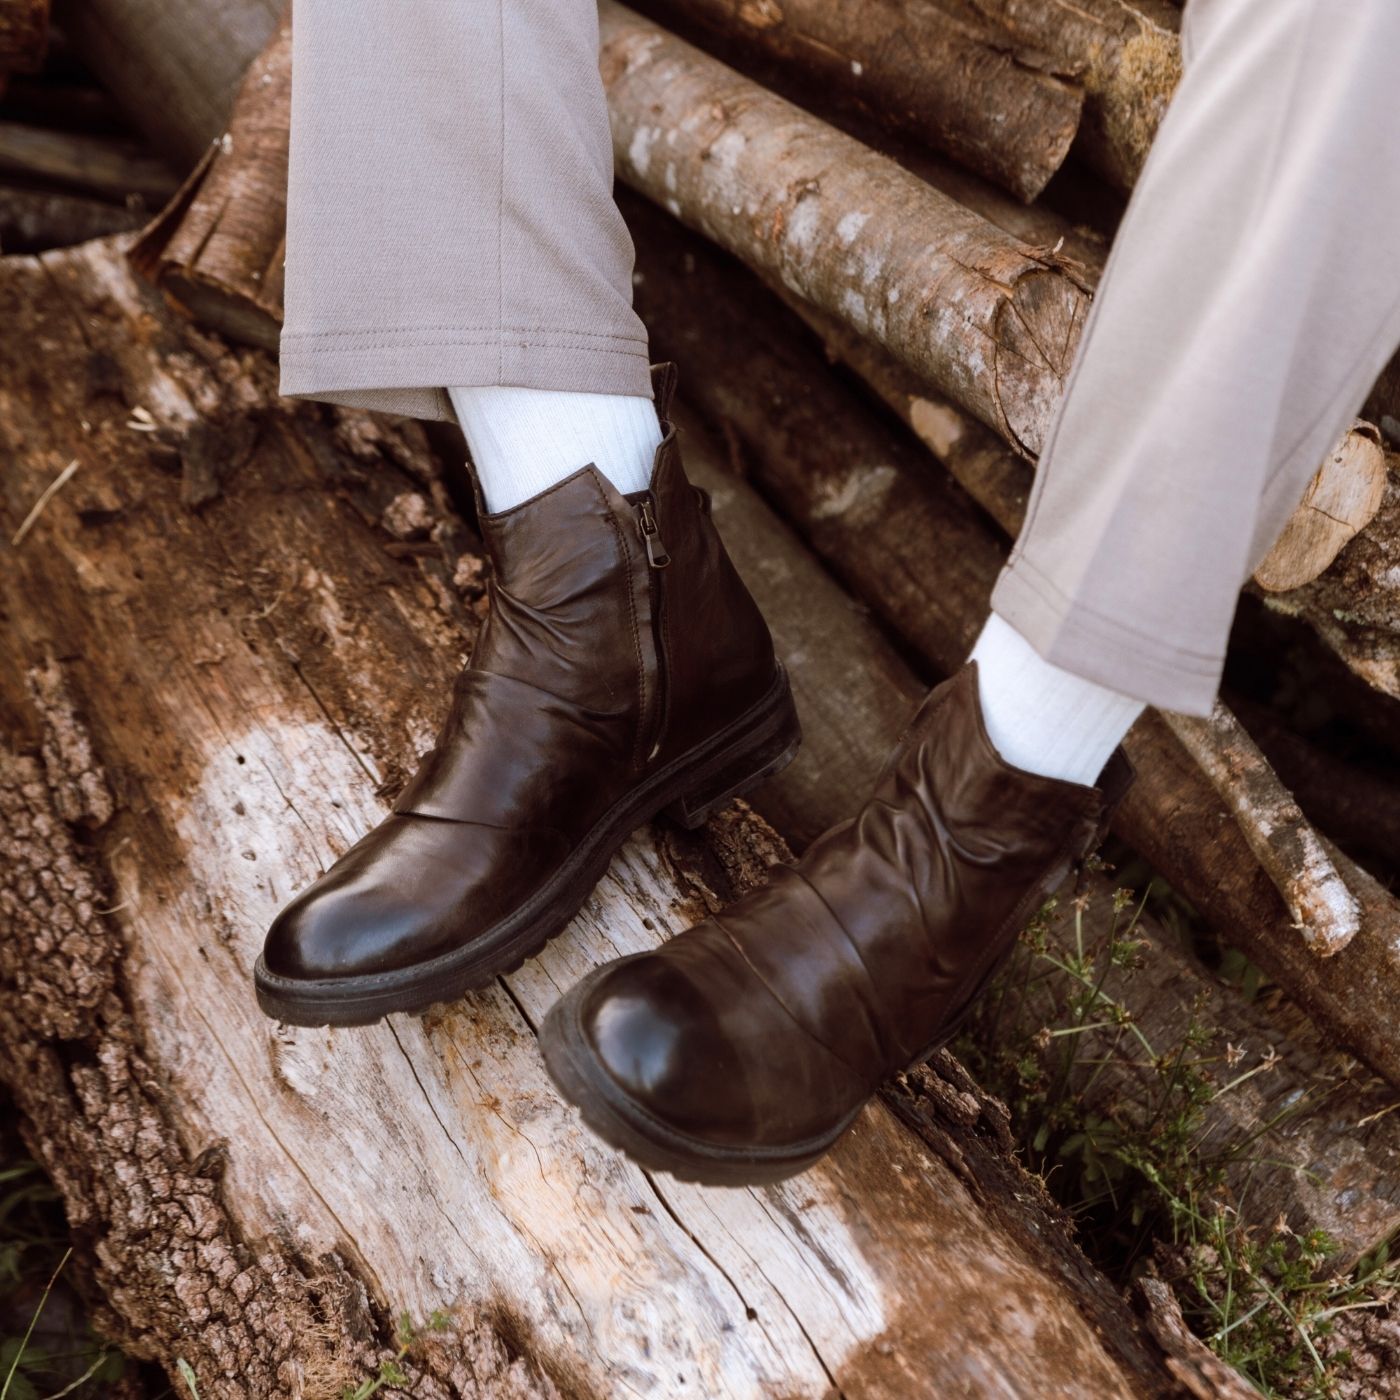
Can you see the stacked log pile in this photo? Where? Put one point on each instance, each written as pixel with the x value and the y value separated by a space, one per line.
pixel 183 769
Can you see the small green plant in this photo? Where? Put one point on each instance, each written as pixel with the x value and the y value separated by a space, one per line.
pixel 46 1349
pixel 391 1371
pixel 188 1376
pixel 1142 1178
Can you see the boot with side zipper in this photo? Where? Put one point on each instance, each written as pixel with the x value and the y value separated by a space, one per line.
pixel 623 671
pixel 741 1050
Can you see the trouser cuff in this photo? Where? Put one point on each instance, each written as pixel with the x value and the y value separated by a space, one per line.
pixel 1102 649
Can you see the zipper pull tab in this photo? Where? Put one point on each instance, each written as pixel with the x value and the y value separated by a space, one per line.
pixel 651 536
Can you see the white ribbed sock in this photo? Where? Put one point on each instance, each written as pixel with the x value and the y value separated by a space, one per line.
pixel 524 440
pixel 1042 718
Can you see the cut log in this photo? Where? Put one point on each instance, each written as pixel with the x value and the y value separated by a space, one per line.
pixel 1343 498
pixel 219 244
pixel 113 167
pixel 173 68
pixel 1355 606
pixel 1125 53
pixel 973 310
pixel 32 220
pixel 974 77
pixel 1341 501
pixel 954 84
pixel 914 549
pixel 1304 1139
pixel 254 662
pixel 24 34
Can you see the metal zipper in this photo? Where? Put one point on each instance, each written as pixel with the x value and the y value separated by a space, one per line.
pixel 651 536
pixel 657 559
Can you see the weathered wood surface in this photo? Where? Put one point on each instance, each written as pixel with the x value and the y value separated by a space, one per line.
pixel 221 600
pixel 911 546
pixel 24 33
pixel 944 78
pixel 174 68
pixel 972 309
pixel 1308 1138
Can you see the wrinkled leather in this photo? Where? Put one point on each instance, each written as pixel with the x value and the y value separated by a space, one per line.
pixel 767 1025
pixel 566 703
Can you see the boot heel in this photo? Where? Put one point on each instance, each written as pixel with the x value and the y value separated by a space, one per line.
pixel 737 774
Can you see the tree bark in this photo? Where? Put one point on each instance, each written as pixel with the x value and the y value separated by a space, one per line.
pixel 974 78
pixel 910 544
pixel 1355 801
pixel 225 579
pixel 971 309
pixel 951 82
pixel 1125 53
pixel 24 35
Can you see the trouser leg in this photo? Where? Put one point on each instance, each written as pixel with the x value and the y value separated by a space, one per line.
pixel 450 216
pixel 1251 298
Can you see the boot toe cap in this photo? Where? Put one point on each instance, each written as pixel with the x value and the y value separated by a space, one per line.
pixel 332 931
pixel 410 890
pixel 660 1040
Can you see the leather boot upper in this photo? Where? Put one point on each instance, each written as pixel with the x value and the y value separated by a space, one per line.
pixel 618 636
pixel 769 1024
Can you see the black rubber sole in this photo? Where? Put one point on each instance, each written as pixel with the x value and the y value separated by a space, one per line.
pixel 624 1125
pixel 688 790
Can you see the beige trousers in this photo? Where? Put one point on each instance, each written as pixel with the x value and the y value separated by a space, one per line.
pixel 450 217
pixel 450 221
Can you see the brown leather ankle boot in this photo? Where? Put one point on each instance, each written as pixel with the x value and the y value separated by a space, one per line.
pixel 623 671
pixel 741 1050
